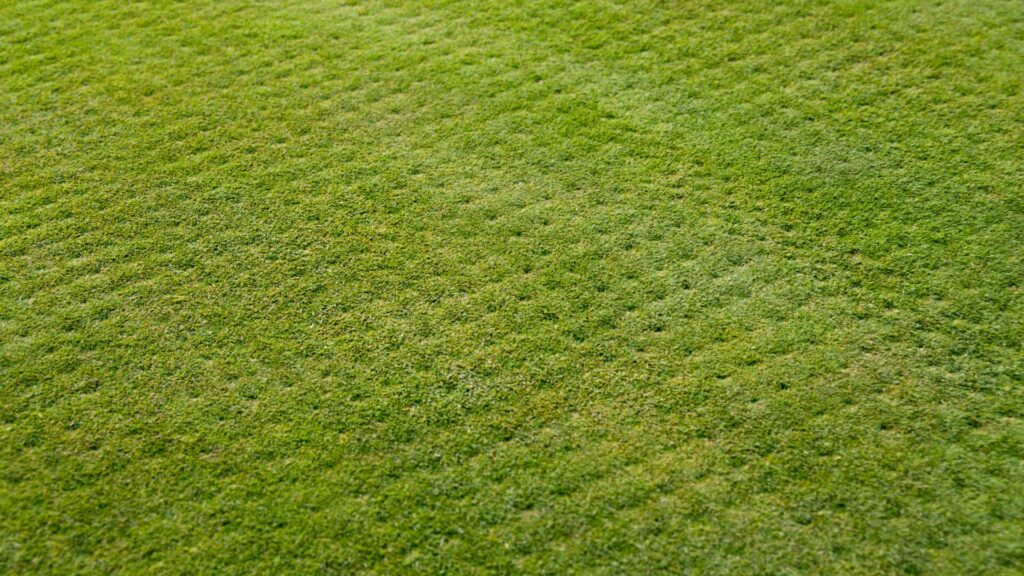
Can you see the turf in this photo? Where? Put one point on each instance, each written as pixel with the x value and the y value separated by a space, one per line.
pixel 512 287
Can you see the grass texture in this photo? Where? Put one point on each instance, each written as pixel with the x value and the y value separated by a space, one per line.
pixel 534 287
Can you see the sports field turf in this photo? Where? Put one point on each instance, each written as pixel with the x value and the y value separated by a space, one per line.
pixel 512 287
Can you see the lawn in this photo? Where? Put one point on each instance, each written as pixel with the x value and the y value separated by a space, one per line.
pixel 539 287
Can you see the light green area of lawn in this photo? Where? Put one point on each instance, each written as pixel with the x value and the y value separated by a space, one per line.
pixel 512 287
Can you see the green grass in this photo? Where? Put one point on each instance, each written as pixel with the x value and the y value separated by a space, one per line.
pixel 512 287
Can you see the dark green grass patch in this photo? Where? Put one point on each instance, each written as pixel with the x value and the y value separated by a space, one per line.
pixel 512 287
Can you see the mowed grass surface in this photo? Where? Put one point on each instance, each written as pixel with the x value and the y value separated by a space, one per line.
pixel 512 287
